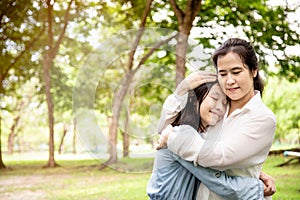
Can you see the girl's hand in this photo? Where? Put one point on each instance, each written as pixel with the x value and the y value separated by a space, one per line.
pixel 163 139
pixel 194 80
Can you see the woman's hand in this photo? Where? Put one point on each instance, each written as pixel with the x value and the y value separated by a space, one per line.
pixel 269 184
pixel 163 139
pixel 194 80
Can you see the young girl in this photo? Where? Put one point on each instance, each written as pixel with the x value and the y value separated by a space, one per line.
pixel 174 178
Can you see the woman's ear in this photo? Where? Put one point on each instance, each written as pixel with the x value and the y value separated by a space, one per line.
pixel 254 73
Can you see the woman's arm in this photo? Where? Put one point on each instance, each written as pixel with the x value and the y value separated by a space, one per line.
pixel 246 146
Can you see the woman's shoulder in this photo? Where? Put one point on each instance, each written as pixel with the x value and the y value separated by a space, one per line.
pixel 266 112
pixel 261 109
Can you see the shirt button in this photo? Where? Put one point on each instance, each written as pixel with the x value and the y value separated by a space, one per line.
pixel 218 174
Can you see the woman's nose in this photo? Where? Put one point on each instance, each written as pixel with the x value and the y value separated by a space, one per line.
pixel 230 79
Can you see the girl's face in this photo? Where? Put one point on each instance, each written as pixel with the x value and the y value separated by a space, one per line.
pixel 213 106
pixel 235 79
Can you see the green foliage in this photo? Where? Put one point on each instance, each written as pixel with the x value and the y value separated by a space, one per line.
pixel 18 30
pixel 267 27
pixel 282 97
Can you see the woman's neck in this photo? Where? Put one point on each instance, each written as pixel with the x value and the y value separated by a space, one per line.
pixel 240 103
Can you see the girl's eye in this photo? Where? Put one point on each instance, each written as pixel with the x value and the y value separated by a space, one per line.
pixel 214 98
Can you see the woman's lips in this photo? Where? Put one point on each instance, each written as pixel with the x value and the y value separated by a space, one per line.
pixel 232 89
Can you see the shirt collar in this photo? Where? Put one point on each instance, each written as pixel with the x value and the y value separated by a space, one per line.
pixel 250 105
pixel 254 101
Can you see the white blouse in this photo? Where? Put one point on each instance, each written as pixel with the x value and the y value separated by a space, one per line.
pixel 239 144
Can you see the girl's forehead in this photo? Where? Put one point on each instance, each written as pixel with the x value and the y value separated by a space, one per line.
pixel 216 89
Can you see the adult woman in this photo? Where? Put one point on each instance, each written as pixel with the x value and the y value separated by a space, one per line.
pixel 248 126
pixel 174 178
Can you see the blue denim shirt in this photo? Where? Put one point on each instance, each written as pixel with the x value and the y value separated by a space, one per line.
pixel 175 179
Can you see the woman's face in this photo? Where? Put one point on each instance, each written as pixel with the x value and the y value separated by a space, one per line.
pixel 213 106
pixel 235 79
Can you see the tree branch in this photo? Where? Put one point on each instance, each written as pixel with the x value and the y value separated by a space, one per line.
pixel 196 4
pixel 192 9
pixel 62 34
pixel 50 31
pixel 178 12
pixel 154 48
pixel 139 34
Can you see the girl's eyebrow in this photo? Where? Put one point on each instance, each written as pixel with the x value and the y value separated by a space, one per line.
pixel 215 93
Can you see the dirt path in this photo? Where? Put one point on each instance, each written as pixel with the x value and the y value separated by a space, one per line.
pixel 27 187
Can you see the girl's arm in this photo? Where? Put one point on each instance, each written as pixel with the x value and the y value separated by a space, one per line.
pixel 228 187
pixel 171 107
pixel 177 101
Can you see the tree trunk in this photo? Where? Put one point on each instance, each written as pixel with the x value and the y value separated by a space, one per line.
pixel 10 143
pixel 126 138
pixel 74 138
pixel 185 21
pixel 181 48
pixel 2 165
pixel 61 145
pixel 117 104
pixel 11 136
pixel 47 66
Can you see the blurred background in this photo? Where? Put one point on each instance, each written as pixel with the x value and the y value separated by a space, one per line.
pixel 89 77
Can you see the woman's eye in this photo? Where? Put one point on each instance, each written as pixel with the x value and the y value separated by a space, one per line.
pixel 222 74
pixel 236 72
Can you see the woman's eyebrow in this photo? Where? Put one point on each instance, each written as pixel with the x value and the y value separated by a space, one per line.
pixel 232 69
pixel 236 68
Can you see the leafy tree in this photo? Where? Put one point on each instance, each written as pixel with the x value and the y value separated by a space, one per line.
pixel 32 34
pixel 17 44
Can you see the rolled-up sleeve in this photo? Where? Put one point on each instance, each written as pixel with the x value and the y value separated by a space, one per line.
pixel 244 146
pixel 185 142
pixel 171 107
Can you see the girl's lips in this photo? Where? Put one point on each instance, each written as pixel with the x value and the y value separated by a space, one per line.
pixel 219 114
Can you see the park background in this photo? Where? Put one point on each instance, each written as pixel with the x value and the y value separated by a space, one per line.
pixel 83 82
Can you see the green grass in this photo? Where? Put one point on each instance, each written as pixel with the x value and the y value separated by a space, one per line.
pixel 287 178
pixel 81 179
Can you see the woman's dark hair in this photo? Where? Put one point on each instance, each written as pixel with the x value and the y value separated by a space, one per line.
pixel 247 54
pixel 190 115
